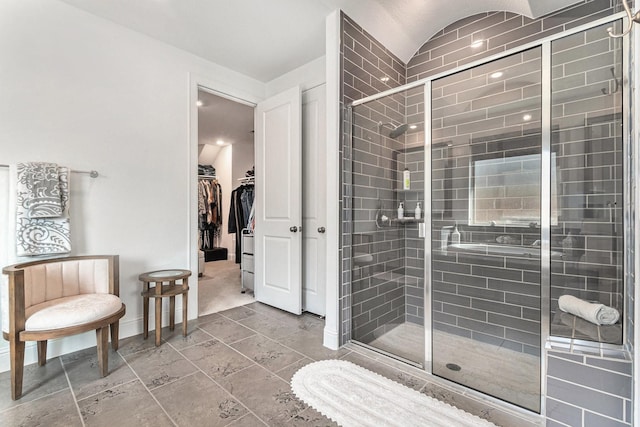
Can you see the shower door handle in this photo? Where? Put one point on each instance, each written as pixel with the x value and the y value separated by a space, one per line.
pixel 293 229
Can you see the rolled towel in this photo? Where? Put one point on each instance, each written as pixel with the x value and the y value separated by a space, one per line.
pixel 599 314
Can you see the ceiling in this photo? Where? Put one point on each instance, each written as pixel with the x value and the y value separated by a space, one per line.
pixel 265 39
pixel 220 118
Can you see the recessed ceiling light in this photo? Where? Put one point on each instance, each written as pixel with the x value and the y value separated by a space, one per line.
pixel 199 103
pixel 413 127
pixel 476 44
pixel 384 79
pixel 526 117
pixel 496 75
pixel 220 142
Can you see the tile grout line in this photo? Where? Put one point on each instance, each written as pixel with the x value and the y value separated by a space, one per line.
pixel 257 364
pixel 216 382
pixel 73 394
pixel 147 389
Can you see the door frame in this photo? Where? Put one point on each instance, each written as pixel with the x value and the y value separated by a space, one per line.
pixel 197 82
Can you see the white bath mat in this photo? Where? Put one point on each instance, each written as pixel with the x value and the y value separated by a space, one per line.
pixel 353 396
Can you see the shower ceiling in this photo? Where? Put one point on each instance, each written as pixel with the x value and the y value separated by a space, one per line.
pixel 264 40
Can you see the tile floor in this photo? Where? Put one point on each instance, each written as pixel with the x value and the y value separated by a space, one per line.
pixel 233 369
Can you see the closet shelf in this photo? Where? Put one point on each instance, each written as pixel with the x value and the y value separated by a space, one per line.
pixel 207 176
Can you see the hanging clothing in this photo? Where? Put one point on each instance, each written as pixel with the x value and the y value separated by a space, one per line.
pixel 209 212
pixel 239 212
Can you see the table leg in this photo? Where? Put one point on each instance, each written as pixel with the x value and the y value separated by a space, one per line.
pixel 172 313
pixel 158 320
pixel 145 320
pixel 185 304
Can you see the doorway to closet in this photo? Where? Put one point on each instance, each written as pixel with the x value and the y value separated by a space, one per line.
pixel 225 196
pixel 217 115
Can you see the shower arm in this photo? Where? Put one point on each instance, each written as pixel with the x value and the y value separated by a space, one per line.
pixel 632 18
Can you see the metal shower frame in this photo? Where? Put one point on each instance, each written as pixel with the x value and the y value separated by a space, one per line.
pixel 545 282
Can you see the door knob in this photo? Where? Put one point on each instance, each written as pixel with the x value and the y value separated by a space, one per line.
pixel 293 229
pixel 321 230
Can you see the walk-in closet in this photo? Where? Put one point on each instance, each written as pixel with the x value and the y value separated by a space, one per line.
pixel 225 201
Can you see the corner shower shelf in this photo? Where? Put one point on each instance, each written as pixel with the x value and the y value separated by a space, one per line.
pixel 407 220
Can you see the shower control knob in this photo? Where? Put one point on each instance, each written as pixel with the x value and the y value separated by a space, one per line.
pixel 293 229
pixel 321 230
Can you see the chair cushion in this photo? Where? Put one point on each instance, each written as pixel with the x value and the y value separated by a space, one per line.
pixel 71 311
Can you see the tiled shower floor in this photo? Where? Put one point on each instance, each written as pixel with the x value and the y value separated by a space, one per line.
pixel 497 371
pixel 233 369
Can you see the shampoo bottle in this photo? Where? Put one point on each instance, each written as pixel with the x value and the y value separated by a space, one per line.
pixel 455 235
pixel 418 211
pixel 406 179
pixel 401 211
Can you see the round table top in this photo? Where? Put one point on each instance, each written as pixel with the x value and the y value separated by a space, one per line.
pixel 160 275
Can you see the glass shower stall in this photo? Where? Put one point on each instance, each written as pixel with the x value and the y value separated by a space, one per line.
pixel 517 163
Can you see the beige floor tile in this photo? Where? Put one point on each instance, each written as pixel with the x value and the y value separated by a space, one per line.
pixel 288 371
pixel 201 380
pixel 217 359
pixel 84 376
pixel 136 343
pixel 227 330
pixel 238 313
pixel 310 344
pixel 311 418
pixel 38 381
pixel 267 353
pixel 269 326
pixel 196 400
pixel 248 420
pixel 126 405
pixel 194 336
pixel 268 396
pixel 53 410
pixel 159 366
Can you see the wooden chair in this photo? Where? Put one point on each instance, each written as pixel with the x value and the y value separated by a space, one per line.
pixel 56 298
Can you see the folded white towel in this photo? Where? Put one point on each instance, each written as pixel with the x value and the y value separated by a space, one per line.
pixel 599 314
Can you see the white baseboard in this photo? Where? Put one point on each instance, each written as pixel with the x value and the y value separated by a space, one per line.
pixel 61 346
pixel 331 339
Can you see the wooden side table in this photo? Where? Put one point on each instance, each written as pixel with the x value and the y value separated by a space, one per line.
pixel 158 291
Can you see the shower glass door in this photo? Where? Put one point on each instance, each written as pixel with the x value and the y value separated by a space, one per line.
pixel 387 250
pixel 485 160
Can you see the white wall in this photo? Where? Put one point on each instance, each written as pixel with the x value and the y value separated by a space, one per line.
pixel 243 160
pixel 90 94
pixel 308 76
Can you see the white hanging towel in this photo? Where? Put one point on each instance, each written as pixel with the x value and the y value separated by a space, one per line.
pixel 38 230
pixel 599 314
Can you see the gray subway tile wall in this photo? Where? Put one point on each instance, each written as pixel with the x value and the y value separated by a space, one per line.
pixel 373 257
pixel 517 297
pixel 581 387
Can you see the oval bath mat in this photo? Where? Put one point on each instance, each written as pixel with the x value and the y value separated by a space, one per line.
pixel 356 397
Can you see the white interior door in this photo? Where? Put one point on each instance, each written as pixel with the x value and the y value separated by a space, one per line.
pixel 314 200
pixel 278 236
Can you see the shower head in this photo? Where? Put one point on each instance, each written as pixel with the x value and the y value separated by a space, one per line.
pixel 396 131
